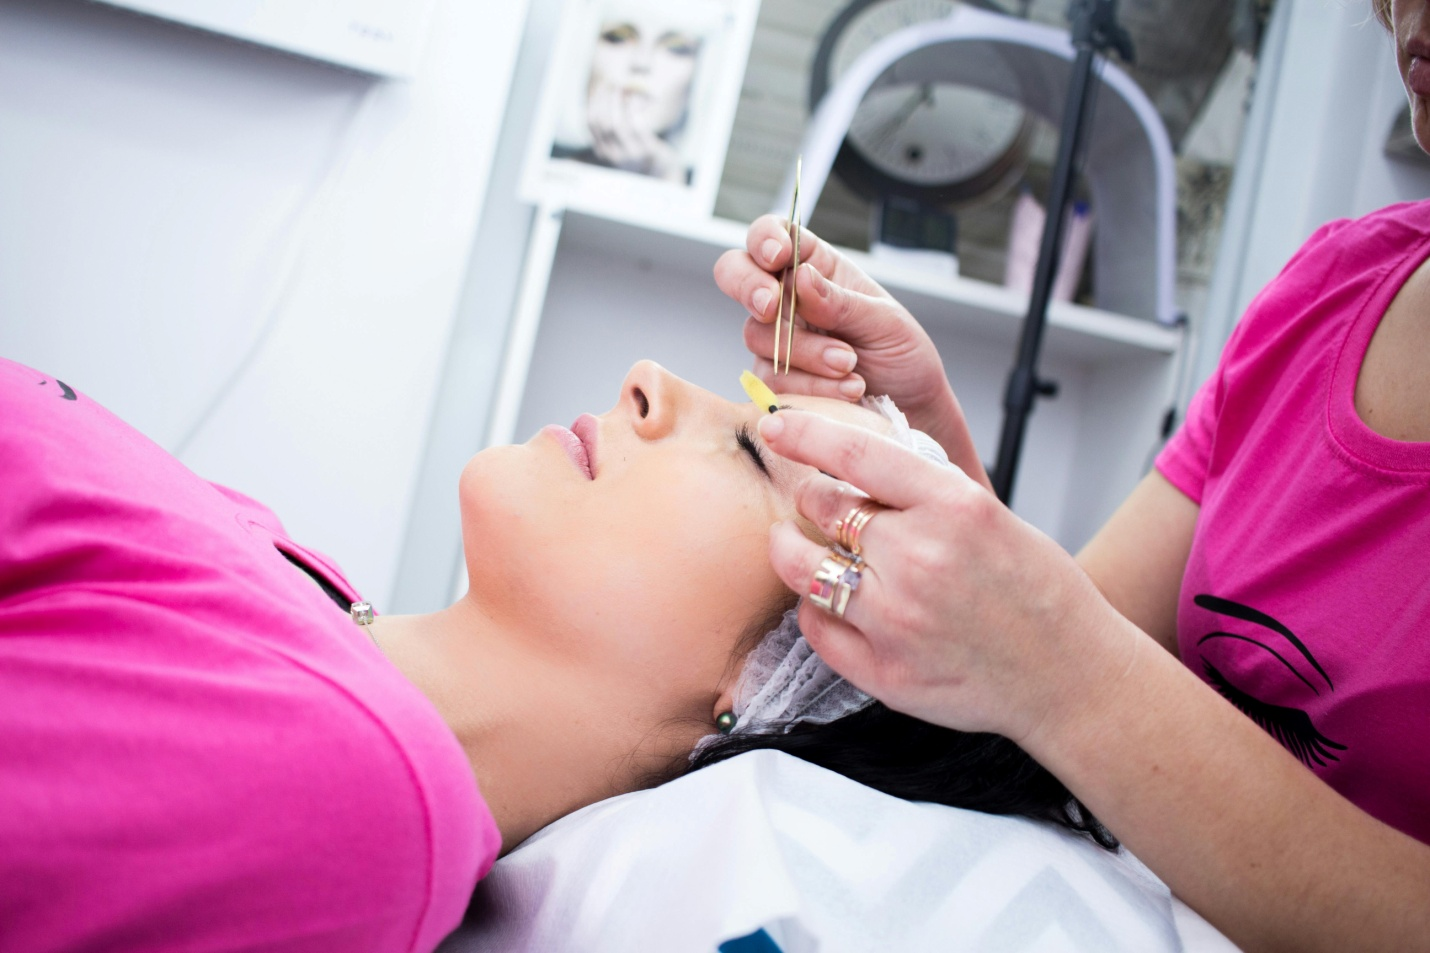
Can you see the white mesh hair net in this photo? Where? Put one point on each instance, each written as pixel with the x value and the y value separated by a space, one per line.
pixel 784 681
pixel 916 440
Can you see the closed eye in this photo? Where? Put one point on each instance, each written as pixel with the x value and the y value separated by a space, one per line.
pixel 620 33
pixel 746 439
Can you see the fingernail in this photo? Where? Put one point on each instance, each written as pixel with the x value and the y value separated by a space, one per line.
pixel 770 249
pixel 761 300
pixel 771 427
pixel 839 358
pixel 854 387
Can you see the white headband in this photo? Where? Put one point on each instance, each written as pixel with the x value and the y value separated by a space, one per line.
pixel 784 681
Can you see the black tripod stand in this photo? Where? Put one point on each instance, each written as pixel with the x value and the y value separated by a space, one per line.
pixel 1094 30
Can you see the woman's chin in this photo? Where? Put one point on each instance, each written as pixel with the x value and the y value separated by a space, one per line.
pixel 497 483
pixel 1420 122
pixel 478 472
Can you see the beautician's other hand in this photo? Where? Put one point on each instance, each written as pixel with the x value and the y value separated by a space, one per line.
pixel 868 341
pixel 965 616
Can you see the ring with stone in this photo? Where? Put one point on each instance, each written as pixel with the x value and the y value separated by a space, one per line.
pixel 834 581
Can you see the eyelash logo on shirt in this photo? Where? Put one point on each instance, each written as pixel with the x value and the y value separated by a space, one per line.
pixel 1292 727
pixel 66 391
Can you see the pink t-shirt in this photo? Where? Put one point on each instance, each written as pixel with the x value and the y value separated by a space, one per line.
pixel 1306 601
pixel 198 748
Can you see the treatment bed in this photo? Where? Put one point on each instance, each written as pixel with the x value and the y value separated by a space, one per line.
pixel 767 853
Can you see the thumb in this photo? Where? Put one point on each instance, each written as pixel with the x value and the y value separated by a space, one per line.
pixel 861 319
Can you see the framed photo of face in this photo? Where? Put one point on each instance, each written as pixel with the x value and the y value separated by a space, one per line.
pixel 639 98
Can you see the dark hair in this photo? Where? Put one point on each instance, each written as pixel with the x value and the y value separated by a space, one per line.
pixel 912 759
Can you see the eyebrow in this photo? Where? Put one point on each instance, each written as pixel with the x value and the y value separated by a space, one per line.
pixel 766 446
pixel 1256 617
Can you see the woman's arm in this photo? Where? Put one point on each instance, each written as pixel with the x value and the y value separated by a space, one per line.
pixel 1237 827
pixel 1137 559
pixel 1260 846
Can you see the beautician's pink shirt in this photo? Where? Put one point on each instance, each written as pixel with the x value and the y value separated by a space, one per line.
pixel 1306 601
pixel 198 749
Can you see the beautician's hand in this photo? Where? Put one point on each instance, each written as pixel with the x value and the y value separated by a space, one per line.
pixel 966 616
pixel 863 340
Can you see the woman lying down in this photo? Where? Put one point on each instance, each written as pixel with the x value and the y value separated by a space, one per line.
pixel 199 748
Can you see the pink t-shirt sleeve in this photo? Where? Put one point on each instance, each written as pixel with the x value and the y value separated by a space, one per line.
pixel 198 749
pixel 1183 461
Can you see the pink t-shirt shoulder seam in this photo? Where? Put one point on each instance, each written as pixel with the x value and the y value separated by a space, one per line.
pixel 1179 472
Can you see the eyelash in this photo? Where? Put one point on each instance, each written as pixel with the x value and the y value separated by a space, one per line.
pixel 746 440
pixel 1290 726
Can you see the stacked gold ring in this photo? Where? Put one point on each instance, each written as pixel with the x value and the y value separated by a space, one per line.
pixel 847 530
pixel 835 579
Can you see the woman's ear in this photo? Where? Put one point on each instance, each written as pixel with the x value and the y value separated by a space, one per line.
pixel 723 715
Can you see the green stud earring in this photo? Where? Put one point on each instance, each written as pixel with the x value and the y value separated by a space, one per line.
pixel 726 722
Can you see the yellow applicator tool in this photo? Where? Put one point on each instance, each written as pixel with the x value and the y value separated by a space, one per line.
pixel 759 393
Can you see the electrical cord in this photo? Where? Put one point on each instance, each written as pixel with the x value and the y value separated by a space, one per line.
pixel 308 211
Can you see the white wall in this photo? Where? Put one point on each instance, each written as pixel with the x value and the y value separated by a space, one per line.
pixel 1337 92
pixel 1326 94
pixel 431 554
pixel 253 258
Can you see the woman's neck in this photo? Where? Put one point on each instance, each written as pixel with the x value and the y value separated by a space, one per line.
pixel 534 734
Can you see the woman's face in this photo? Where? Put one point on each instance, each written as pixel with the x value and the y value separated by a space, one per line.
pixel 1412 54
pixel 635 550
pixel 646 67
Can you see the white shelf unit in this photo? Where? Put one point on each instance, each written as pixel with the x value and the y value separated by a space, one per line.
pixel 601 293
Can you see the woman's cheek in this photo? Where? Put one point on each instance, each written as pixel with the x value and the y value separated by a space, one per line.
pixel 672 74
pixel 610 64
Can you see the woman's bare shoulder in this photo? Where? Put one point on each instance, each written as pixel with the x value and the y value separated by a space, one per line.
pixel 1392 393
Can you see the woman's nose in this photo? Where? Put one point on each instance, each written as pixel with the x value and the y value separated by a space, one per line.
pixel 642 56
pixel 652 397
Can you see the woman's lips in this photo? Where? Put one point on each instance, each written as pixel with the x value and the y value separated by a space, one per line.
pixel 588 430
pixel 573 446
pixel 1417 78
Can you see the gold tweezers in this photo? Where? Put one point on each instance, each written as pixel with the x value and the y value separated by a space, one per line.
pixel 793 273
